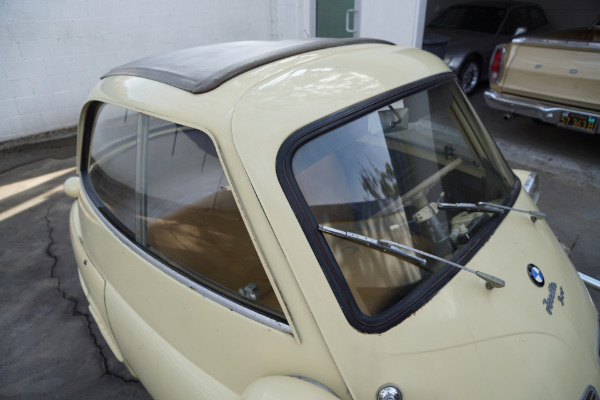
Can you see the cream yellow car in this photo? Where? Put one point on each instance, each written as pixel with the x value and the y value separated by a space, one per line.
pixel 320 219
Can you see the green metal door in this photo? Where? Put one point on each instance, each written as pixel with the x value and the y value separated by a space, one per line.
pixel 335 18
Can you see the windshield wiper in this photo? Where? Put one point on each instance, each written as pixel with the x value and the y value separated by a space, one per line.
pixel 489 208
pixel 470 207
pixel 402 251
pixel 381 245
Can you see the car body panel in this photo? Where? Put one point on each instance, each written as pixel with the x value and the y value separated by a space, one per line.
pixel 460 344
pixel 175 322
pixel 555 74
pixel 447 336
pixel 165 371
pixel 122 266
pixel 92 283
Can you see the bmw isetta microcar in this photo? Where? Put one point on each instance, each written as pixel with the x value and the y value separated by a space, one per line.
pixel 321 219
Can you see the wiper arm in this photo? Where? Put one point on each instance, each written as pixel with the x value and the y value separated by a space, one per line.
pixel 470 207
pixel 380 245
pixel 490 208
pixel 534 214
pixel 402 251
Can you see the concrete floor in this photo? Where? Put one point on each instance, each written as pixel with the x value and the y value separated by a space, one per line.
pixel 50 346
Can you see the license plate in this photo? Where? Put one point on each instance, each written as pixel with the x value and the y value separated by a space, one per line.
pixel 578 121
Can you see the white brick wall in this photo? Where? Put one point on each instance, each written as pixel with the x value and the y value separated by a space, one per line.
pixel 52 52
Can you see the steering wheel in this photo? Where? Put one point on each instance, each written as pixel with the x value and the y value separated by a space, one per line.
pixel 422 188
pixel 430 180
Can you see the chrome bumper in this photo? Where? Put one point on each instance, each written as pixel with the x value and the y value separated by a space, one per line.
pixel 590 282
pixel 531 108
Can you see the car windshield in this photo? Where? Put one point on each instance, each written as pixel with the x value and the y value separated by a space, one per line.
pixel 382 176
pixel 472 18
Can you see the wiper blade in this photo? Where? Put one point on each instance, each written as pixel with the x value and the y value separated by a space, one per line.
pixel 402 251
pixel 490 208
pixel 534 214
pixel 380 245
pixel 470 207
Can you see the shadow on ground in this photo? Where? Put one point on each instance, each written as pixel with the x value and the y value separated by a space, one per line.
pixel 50 346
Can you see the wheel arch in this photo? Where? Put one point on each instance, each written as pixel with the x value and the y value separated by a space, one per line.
pixel 287 387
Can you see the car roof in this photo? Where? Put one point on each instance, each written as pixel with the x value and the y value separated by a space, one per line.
pixel 270 102
pixel 202 69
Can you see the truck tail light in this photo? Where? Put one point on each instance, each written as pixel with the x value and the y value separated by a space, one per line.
pixel 496 63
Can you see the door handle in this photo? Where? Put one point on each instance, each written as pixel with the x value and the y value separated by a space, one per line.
pixel 350 11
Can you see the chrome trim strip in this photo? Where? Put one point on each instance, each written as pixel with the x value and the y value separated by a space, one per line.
pixel 589 281
pixel 589 393
pixel 598 339
pixel 224 301
pixel 558 42
pixel 531 108
pixel 316 383
pixel 141 179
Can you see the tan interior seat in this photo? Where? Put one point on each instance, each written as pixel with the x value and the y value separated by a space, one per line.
pixel 213 243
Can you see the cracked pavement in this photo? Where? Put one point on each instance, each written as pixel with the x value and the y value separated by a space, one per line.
pixel 50 345
pixel 51 348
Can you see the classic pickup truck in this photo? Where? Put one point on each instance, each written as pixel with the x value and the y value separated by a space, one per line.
pixel 554 78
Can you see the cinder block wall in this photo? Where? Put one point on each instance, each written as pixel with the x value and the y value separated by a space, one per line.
pixel 52 52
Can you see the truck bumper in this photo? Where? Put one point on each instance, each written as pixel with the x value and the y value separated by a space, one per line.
pixel 546 112
pixel 590 282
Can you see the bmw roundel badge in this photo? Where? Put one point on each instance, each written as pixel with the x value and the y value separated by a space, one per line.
pixel 535 275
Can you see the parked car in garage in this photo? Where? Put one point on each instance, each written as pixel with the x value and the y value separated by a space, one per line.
pixel 554 78
pixel 318 219
pixel 465 35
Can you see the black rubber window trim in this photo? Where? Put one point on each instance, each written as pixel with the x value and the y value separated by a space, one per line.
pixel 420 296
pixel 180 68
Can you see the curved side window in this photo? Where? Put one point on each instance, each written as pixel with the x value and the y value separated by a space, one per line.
pixel 162 185
pixel 111 163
